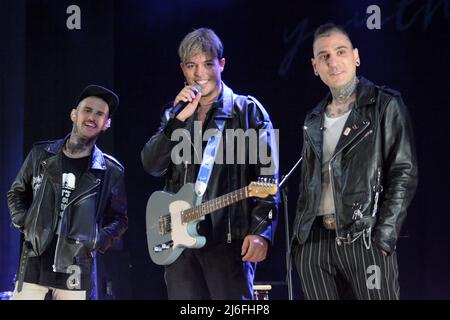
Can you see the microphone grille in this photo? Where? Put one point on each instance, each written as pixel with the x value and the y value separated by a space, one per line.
pixel 197 88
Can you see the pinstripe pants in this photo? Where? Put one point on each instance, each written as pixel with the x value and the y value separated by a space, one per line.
pixel 329 271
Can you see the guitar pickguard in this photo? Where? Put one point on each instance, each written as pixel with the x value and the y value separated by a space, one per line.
pixel 166 243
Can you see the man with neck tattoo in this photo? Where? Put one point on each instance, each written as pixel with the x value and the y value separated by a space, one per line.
pixel 69 202
pixel 359 174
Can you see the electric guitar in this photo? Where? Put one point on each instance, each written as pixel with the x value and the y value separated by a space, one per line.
pixel 172 219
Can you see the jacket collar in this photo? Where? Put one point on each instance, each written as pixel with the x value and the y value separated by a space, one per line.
pixel 365 94
pixel 226 110
pixel 97 159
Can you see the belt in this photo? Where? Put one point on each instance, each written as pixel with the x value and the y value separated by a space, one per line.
pixel 327 221
pixel 22 266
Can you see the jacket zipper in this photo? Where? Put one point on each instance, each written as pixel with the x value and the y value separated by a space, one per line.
pixel 312 147
pixel 330 172
pixel 63 215
pixel 96 226
pixel 378 189
pixel 367 133
pixel 38 210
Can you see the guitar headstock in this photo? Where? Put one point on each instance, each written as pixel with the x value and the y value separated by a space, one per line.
pixel 263 188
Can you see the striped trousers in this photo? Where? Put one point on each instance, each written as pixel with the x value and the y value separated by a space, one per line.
pixel 329 271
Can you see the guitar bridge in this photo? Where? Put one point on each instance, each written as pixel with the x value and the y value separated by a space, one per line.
pixel 164 224
pixel 163 246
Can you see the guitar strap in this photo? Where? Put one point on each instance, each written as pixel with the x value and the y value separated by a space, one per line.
pixel 209 156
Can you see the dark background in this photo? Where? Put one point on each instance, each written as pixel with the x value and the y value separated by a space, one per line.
pixel 131 47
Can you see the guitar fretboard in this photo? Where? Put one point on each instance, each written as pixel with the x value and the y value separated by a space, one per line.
pixel 199 211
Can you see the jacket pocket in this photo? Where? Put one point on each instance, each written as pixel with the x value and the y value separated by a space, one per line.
pixel 82 221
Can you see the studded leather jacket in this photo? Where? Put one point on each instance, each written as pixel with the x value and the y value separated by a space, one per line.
pixel 373 171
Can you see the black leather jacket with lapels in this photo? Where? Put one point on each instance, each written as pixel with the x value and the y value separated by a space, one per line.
pixel 373 171
pixel 95 216
pixel 252 216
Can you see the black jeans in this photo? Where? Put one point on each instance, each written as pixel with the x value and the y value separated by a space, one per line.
pixel 215 271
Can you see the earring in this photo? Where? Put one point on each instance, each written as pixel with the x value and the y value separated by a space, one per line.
pixel 316 73
pixel 357 63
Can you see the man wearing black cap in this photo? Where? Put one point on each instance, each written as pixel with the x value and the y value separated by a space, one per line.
pixel 69 202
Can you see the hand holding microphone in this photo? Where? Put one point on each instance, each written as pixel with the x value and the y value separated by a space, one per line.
pixel 186 102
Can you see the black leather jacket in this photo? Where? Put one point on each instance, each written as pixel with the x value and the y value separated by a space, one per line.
pixel 377 154
pixel 95 216
pixel 251 216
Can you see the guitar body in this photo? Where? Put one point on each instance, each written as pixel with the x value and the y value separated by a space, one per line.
pixel 172 219
pixel 166 245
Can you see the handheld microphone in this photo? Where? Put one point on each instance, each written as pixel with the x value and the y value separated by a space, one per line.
pixel 181 105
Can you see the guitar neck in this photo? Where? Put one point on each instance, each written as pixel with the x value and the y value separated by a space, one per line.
pixel 207 207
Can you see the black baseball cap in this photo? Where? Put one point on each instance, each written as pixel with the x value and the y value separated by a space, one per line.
pixel 103 93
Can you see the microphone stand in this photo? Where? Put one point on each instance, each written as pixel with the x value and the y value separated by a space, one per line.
pixel 284 190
